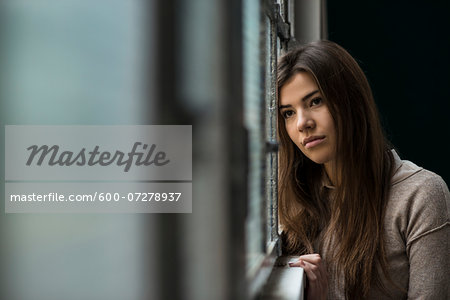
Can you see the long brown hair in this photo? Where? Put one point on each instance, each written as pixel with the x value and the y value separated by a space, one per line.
pixel 354 216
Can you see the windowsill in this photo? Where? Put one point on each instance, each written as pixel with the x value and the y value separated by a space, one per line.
pixel 284 283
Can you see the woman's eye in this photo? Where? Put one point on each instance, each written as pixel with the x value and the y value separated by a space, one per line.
pixel 287 114
pixel 316 101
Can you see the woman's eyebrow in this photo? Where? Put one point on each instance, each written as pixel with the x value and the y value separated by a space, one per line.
pixel 309 95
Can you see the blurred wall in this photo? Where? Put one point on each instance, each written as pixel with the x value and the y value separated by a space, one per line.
pixel 113 62
pixel 71 62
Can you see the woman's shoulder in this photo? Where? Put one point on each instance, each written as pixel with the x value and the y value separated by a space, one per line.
pixel 407 175
pixel 422 192
pixel 419 201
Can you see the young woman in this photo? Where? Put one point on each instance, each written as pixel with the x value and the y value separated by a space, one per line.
pixel 366 224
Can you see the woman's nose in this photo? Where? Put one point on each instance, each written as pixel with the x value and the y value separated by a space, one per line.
pixel 304 122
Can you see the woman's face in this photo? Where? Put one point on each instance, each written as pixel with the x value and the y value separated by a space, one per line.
pixel 308 121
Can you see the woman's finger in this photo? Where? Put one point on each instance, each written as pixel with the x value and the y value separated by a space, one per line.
pixel 316 260
pixel 312 271
pixel 296 263
pixel 312 258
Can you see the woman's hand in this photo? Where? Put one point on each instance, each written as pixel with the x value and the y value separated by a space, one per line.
pixel 316 272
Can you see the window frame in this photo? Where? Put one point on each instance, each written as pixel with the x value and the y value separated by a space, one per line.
pixel 274 36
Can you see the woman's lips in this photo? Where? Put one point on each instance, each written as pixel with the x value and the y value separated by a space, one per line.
pixel 314 142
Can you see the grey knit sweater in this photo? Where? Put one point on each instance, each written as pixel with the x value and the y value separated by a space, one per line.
pixel 417 232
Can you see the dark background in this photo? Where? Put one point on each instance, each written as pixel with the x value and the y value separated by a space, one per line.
pixel 403 47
